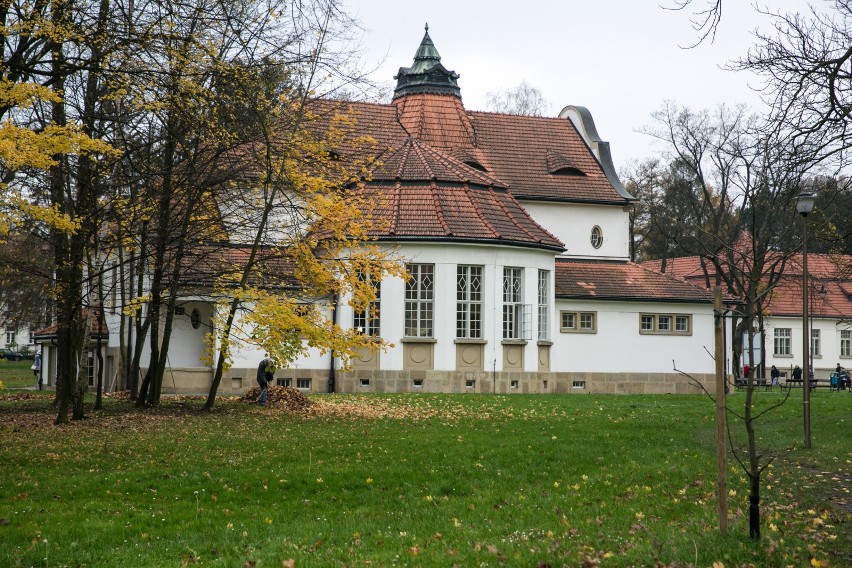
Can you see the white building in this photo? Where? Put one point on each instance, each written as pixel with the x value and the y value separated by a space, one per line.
pixel 515 232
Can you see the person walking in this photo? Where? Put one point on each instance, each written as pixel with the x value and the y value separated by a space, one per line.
pixel 37 369
pixel 265 374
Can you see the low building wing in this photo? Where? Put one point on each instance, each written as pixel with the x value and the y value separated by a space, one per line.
pixel 604 280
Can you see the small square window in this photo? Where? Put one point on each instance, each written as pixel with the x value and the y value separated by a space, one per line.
pixel 236 383
pixel 682 324
pixel 577 322
pixel 664 323
pixel 513 384
pixel 364 382
pixel 647 323
pixel 470 383
pixel 418 383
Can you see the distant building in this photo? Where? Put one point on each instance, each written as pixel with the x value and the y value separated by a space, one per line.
pixel 830 311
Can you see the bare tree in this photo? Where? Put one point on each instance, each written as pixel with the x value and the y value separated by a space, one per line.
pixel 523 99
pixel 806 61
pixel 737 216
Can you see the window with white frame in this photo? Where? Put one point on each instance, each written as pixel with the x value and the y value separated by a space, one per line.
pixel 419 300
pixel 782 343
pixel 367 321
pixel 665 324
pixel 469 302
pixel 513 308
pixel 577 322
pixel 846 342
pixel 815 343
pixel 10 337
pixel 543 305
pixel 596 237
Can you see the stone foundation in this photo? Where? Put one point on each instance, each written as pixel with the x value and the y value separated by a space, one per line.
pixel 239 380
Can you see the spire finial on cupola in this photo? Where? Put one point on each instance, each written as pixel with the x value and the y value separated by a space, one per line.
pixel 426 75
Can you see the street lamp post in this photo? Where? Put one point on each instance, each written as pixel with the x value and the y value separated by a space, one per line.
pixel 804 205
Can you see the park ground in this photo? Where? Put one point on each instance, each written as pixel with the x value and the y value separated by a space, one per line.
pixel 416 480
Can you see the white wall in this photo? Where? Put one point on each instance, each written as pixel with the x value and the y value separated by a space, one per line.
pixel 572 224
pixel 618 347
pixel 446 258
pixel 829 355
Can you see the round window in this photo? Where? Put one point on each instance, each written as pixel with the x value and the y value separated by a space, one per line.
pixel 597 237
pixel 195 318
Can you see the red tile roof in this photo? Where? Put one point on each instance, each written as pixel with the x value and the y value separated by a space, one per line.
pixel 520 151
pixel 415 161
pixel 827 273
pixel 99 327
pixel 457 211
pixel 616 280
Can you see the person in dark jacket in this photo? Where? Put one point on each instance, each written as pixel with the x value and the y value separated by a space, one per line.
pixel 265 374
pixel 775 375
pixel 797 373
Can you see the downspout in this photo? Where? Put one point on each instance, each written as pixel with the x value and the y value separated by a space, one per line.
pixel 332 373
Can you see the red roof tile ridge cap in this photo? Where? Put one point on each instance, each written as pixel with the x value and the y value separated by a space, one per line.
pixel 512 217
pixel 420 149
pixel 530 217
pixel 396 208
pixel 399 112
pixel 437 206
pixel 469 193
pixel 465 119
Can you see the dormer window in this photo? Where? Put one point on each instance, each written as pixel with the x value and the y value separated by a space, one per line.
pixel 596 237
pixel 561 165
pixel 476 165
pixel 568 171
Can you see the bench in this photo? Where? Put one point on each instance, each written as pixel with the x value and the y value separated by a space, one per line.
pixel 814 384
pixel 741 383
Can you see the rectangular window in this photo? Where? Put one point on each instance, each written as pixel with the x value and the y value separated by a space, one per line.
pixel 367 321
pixel 782 341
pixel 543 305
pixel 10 337
pixel 668 324
pixel 469 302
pixel 303 384
pixel 419 299
pixel 846 343
pixel 578 322
pixel 513 308
pixel 283 382
pixel 815 343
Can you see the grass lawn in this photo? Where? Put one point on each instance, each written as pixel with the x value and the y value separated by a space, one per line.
pixel 16 374
pixel 417 480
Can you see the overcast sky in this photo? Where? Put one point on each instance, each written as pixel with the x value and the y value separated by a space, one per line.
pixel 619 58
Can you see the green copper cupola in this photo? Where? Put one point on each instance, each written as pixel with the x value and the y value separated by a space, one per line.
pixel 426 75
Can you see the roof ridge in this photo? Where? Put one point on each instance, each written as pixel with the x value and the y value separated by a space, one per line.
pixel 438 207
pixel 397 208
pixel 469 192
